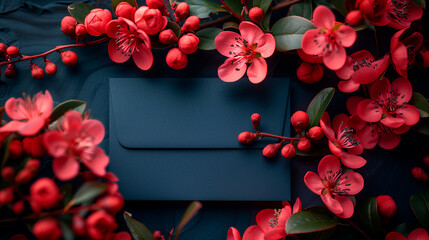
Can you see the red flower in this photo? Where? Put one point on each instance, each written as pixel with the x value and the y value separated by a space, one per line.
pixel 373 11
pixel 100 225
pixel 28 116
pixel 417 234
pixel 334 186
pixel 96 21
pixel 329 39
pixel 76 139
pixel 404 51
pixel 150 20
pixel 252 46
pixel 388 104
pixel 361 68
pixel 127 40
pixel 343 141
pixel 47 229
pixel 401 13
pixel 45 193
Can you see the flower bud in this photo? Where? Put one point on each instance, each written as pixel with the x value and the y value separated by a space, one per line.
pixel 150 20
pixel 366 7
pixel 426 160
pixel 50 67
pixel 288 151
pixel 33 165
pixel 68 25
pixel 96 21
pixel 6 196
pixel 256 14
pixel 3 48
pixel 18 207
pixel 15 149
pixel 271 150
pixel 24 176
pixel 125 10
pixel 354 18
pixel 304 144
pixel 315 133
pixel 191 24
pixel 122 236
pixel 47 228
pixel 33 146
pixel 182 11
pixel 156 4
pixel 309 72
pixel 12 52
pixel 419 174
pixel 188 43
pixel 37 72
pixel 69 58
pixel 45 193
pixel 111 203
pixel 386 205
pixel 158 235
pixel 8 174
pixel 247 137
pixel 309 58
pixel 81 31
pixel 167 37
pixel 78 225
pixel 299 121
pixel 10 71
pixel 256 119
pixel 176 59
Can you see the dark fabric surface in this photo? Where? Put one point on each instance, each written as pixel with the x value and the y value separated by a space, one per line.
pixel 35 28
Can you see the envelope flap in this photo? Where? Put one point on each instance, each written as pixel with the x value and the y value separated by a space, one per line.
pixel 194 113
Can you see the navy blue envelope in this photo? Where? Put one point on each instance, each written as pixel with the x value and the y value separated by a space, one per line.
pixel 176 139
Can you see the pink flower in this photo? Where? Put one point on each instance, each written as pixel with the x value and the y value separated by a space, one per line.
pixel 127 40
pixel 76 139
pixel 252 46
pixel 401 13
pixel 343 141
pixel 417 234
pixel 372 134
pixel 388 104
pixel 329 39
pixel 28 116
pixel 96 21
pixel 361 68
pixel 404 51
pixel 334 186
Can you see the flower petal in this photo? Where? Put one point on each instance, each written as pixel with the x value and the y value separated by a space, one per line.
pixel 336 150
pixel 95 129
pixel 257 70
pixel 313 182
pixel 228 43
pixel 335 58
pixel 325 125
pixel 96 160
pixel 356 150
pixel 395 236
pixel 329 166
pixel 340 122
pixel 402 90
pixel 297 207
pixel 12 126
pixel 392 122
pixel 113 27
pixel 369 111
pixel 263 219
pixel 346 36
pixel 347 70
pixel 32 127
pixel 348 86
pixel 276 233
pixel 16 109
pixel 56 143
pixel 266 45
pixel 368 136
pixel 253 233
pixel 233 234
pixel 409 114
pixel 323 17
pixel 72 123
pixel 352 181
pixel 115 54
pixel 65 168
pixel 389 140
pixel 352 103
pixel 313 42
pixel 332 204
pixel 143 57
pixel 346 205
pixel 418 234
pixel 380 90
pixel 250 32
pixel 352 161
pixel 44 104
pixel 231 70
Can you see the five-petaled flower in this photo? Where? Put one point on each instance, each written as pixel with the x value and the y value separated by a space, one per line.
pixel 329 39
pixel 401 13
pixel 388 104
pixel 343 141
pixel 404 51
pixel 251 47
pixel 334 186
pixel 28 116
pixel 128 40
pixel 76 138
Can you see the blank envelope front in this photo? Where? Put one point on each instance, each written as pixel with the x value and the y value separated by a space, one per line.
pixel 176 139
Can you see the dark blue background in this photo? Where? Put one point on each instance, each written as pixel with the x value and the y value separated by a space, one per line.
pixel 34 26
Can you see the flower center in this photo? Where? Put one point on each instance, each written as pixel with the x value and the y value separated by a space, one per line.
pixel 246 54
pixel 273 222
pixel 345 138
pixel 363 63
pixel 398 10
pixel 389 104
pixel 127 40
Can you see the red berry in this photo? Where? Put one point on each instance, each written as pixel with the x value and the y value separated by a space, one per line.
pixel 288 151
pixel 6 196
pixel 3 48
pixel 68 25
pixel 78 225
pixel 158 235
pixel 12 52
pixel 37 72
pixel 354 18
pixel 256 14
pixel 33 146
pixel 271 150
pixel 18 207
pixel 304 144
pixel 123 236
pixel 69 58
pixel 33 165
pixel 15 149
pixel 300 121
pixel 24 176
pixel 47 228
pixel 386 205
pixel 191 24
pixel 182 11
pixel 50 67
pixel 256 120
pixel 247 137
pixel 176 59
pixel 188 43
pixel 125 10
pixel 81 31
pixel 8 174
pixel 167 37
pixel 111 203
pixel 419 173
pixel 315 133
pixel 10 71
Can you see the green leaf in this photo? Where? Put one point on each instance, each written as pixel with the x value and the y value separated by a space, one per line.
pixel 318 105
pixel 370 219
pixel 421 103
pixel 203 8
pixel 66 106
pixel 263 4
pixel 235 5
pixel 308 221
pixel 339 5
pixel 137 229
pixel 422 126
pixel 405 228
pixel 420 205
pixel 265 23
pixel 421 3
pixel 302 9
pixel 79 11
pixel 207 37
pixel 86 192
pixel 230 25
pixel 190 212
pixel 288 32
pixel 115 3
pixel 154 39
pixel 67 191
pixel 4 151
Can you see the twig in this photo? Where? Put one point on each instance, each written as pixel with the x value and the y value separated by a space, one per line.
pixel 357 228
pixel 236 15
pixel 262 134
pixel 284 4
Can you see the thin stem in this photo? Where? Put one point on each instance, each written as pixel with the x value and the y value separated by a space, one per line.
pixel 262 134
pixel 357 228
pixel 236 15
pixel 219 20
pixel 284 4
pixel 25 58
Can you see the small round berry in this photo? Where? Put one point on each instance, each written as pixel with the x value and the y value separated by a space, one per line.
pixel 8 174
pixel 191 24
pixel 386 205
pixel 50 67
pixel 299 121
pixel 271 150
pixel 247 137
pixel 81 31
pixel 10 71
pixel 68 25
pixel 37 72
pixel 256 14
pixel 69 58
pixel 419 174
pixel 12 52
pixel 315 133
pixel 167 37
pixel 18 207
pixel 354 18
pixel 15 149
pixel 47 228
pixel 158 235
pixel 288 151
pixel 304 144
pixel 6 196
pixel 3 48
pixel 182 11
pixel 188 43
pixel 24 176
pixel 256 120
pixel 176 59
